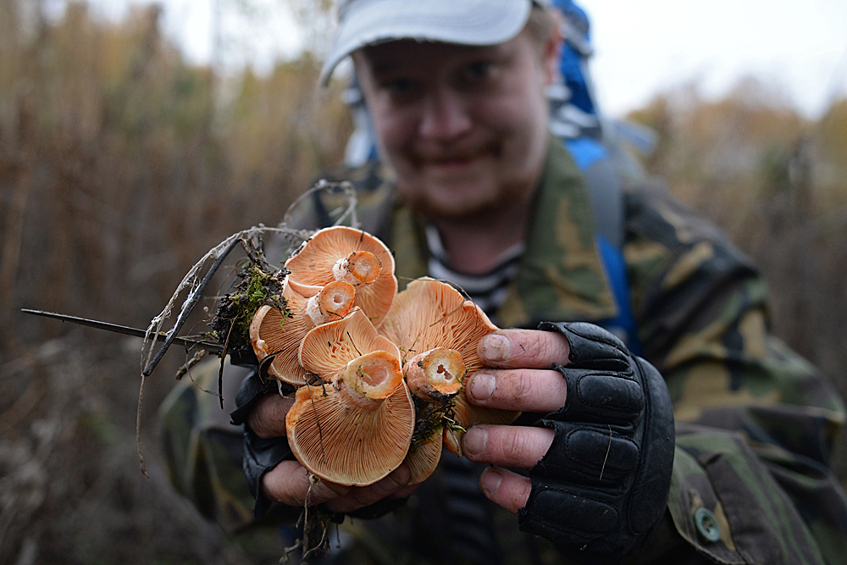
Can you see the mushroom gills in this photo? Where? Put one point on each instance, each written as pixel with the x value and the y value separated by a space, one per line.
pixel 344 444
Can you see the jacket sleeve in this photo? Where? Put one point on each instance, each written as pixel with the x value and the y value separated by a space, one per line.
pixel 202 449
pixel 756 422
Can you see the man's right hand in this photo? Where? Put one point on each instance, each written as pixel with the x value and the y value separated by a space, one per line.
pixel 289 482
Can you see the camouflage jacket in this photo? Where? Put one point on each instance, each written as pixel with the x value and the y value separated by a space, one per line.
pixel 755 422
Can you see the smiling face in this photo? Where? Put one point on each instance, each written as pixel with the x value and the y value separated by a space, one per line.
pixel 464 128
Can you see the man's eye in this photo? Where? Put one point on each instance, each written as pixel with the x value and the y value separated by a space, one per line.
pixel 399 85
pixel 477 70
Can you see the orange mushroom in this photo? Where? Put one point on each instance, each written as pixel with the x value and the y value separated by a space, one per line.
pixel 275 332
pixel 423 457
pixel 357 427
pixel 434 378
pixel 430 314
pixel 346 254
pixel 327 349
pixel 435 374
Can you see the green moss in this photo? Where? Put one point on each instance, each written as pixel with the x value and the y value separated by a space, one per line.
pixel 254 288
pixel 432 417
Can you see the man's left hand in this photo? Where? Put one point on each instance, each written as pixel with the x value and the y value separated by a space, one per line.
pixel 600 455
pixel 519 378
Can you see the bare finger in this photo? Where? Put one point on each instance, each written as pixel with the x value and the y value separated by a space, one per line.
pixel 508 489
pixel 291 484
pixel 510 446
pixel 359 497
pixel 267 419
pixel 532 349
pixel 530 390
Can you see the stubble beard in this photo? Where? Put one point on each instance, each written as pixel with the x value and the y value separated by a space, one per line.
pixel 476 205
pixel 448 195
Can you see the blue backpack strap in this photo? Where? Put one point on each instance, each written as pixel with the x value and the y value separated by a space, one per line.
pixel 623 325
pixel 606 198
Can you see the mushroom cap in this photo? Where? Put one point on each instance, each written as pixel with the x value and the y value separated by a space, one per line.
pixel 327 349
pixel 430 314
pixel 314 265
pixel 272 332
pixel 423 458
pixel 344 444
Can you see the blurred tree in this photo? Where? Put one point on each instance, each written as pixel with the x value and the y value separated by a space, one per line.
pixel 833 131
pixel 315 18
pixel 120 165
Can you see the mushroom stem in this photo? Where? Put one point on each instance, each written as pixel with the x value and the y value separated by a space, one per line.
pixel 435 374
pixel 333 302
pixel 368 380
pixel 359 268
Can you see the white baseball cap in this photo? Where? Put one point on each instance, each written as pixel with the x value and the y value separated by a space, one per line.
pixel 467 22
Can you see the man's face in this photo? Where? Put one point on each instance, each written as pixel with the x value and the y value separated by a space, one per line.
pixel 464 128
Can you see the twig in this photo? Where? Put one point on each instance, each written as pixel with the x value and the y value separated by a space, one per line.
pixel 186 368
pixel 221 369
pixel 318 422
pixel 352 204
pixel 190 302
pixel 606 458
pixel 353 343
pixel 138 427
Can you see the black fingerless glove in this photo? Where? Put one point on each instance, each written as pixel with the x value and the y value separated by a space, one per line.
pixel 260 455
pixel 603 484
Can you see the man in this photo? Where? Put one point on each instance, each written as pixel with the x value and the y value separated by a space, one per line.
pixel 456 93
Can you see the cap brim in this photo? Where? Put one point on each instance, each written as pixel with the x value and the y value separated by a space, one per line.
pixel 466 22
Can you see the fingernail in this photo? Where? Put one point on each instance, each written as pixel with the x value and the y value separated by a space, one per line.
pixel 475 441
pixel 490 481
pixel 482 386
pixel 495 347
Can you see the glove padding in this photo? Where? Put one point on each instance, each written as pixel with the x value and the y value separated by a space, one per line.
pixel 260 454
pixel 603 484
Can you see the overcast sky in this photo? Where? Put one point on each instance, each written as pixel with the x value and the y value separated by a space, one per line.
pixel 642 46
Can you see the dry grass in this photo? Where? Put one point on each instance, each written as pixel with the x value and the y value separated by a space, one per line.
pixel 120 165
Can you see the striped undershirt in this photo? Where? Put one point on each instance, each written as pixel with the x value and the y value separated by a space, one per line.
pixel 487 290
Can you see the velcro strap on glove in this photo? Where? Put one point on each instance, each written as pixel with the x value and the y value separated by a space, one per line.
pixel 603 484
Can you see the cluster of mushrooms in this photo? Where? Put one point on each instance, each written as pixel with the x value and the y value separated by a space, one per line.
pixel 378 374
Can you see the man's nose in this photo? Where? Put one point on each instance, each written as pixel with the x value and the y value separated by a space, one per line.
pixel 444 115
